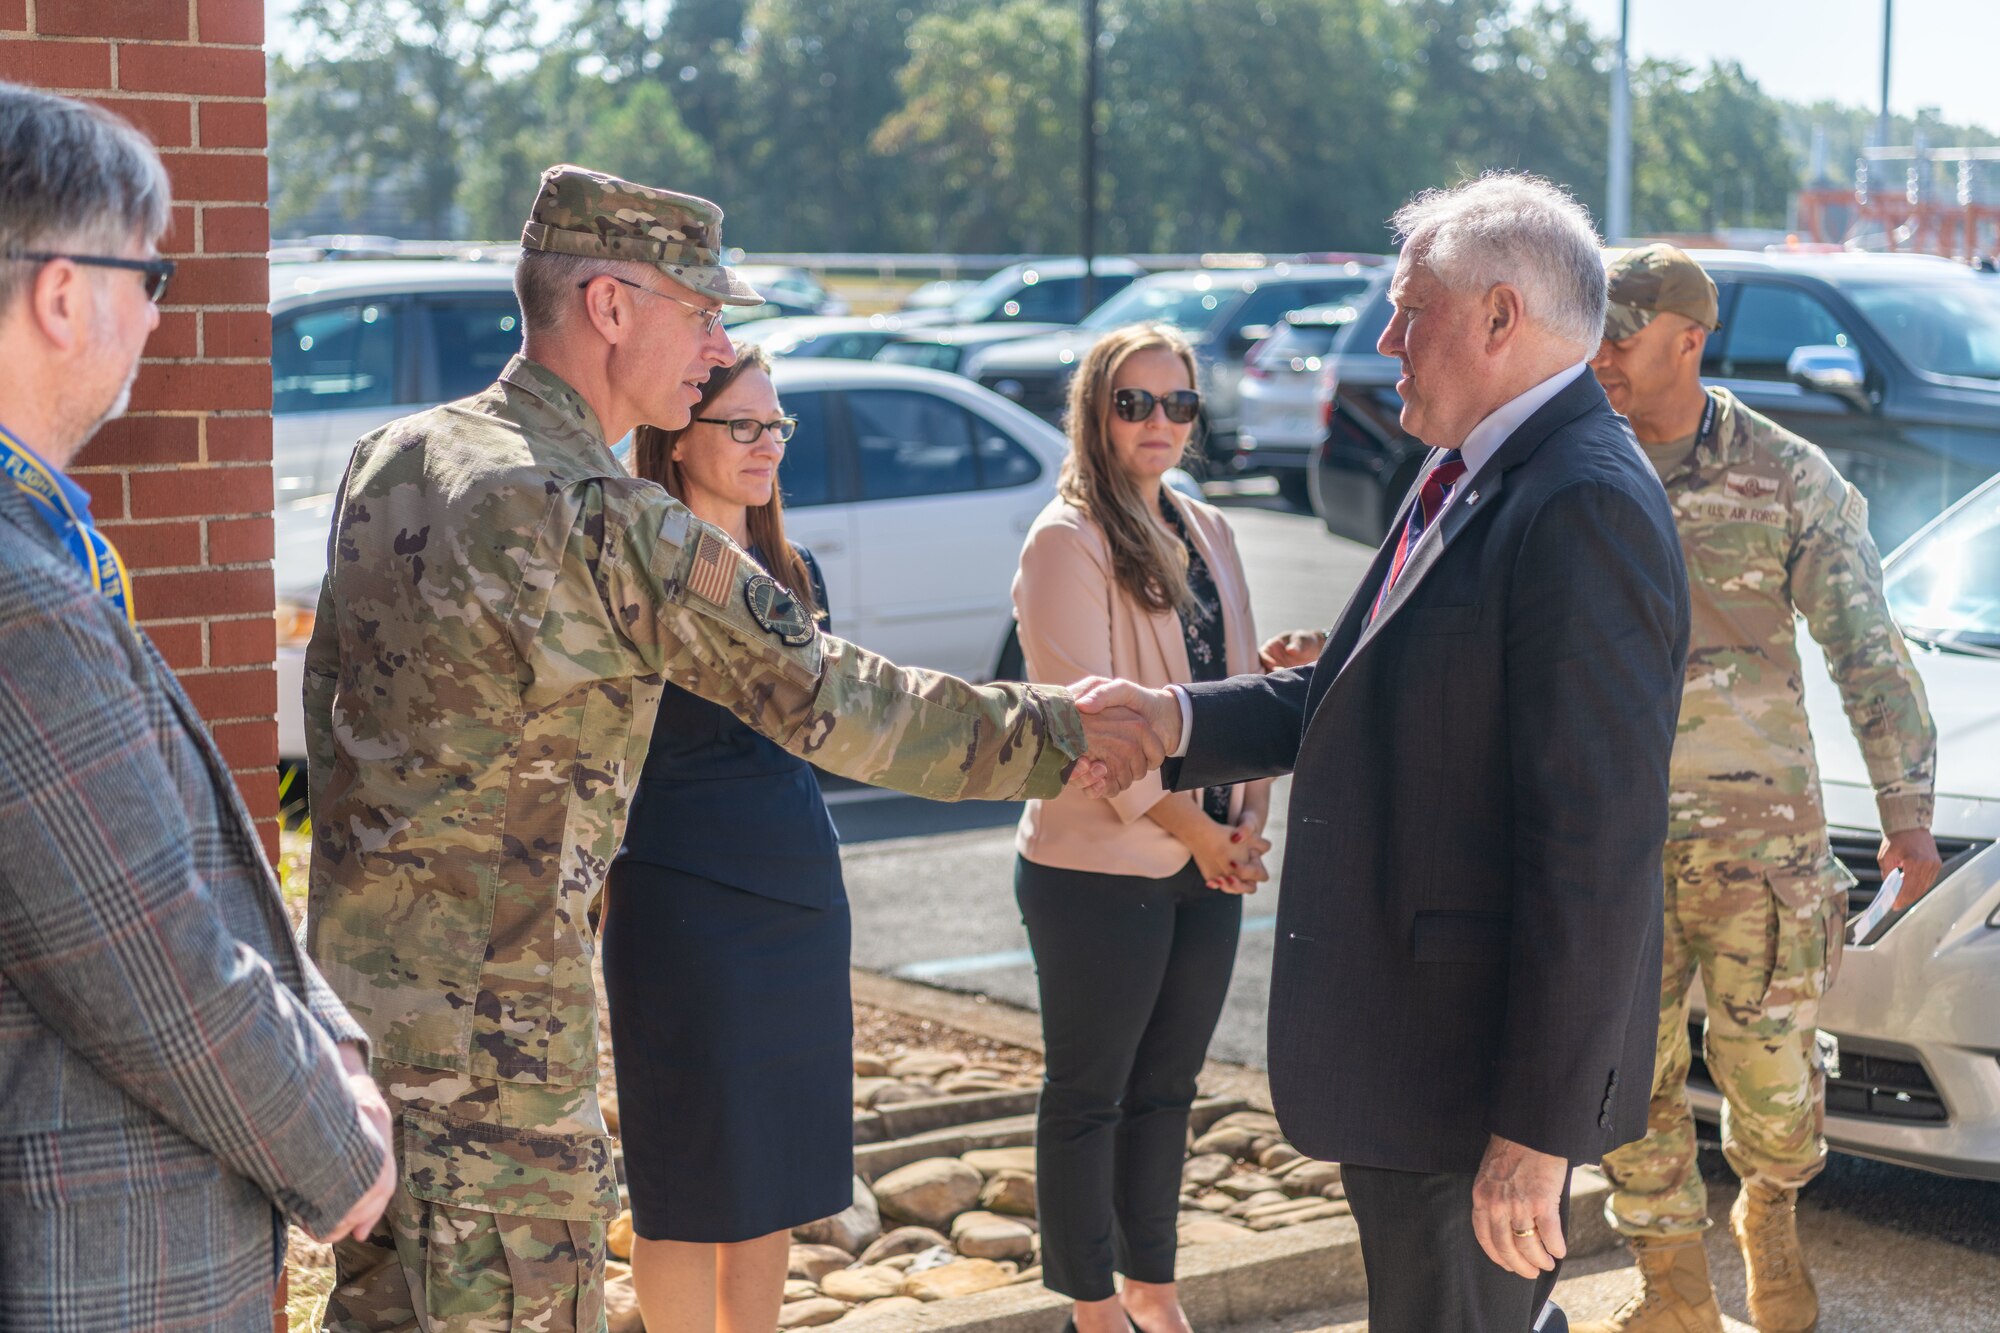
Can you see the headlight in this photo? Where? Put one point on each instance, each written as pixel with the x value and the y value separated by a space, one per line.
pixel 295 622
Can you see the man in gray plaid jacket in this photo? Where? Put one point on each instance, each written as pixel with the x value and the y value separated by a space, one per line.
pixel 175 1077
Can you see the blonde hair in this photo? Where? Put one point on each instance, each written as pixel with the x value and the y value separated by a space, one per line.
pixel 653 459
pixel 1146 561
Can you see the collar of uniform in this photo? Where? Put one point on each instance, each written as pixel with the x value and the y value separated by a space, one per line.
pixel 1724 444
pixel 535 378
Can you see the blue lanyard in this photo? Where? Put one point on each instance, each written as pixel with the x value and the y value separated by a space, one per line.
pixel 50 495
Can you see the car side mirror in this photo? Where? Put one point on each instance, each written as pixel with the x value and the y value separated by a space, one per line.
pixel 1830 370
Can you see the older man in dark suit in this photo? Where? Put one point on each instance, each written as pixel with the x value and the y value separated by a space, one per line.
pixel 175 1077
pixel 1463 993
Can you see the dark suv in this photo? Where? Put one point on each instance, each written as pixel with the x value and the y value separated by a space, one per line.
pixel 1890 363
pixel 1035 291
pixel 1223 312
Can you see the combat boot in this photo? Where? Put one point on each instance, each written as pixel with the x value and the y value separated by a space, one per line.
pixel 1764 1220
pixel 1674 1296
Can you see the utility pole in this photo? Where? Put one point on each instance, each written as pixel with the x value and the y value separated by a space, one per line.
pixel 1882 124
pixel 1089 246
pixel 1618 188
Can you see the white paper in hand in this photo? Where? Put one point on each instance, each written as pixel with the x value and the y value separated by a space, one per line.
pixel 1877 911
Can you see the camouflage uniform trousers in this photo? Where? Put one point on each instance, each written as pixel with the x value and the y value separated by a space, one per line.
pixel 1764 928
pixel 500 1220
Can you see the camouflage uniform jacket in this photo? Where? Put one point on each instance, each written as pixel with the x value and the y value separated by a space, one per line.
pixel 1768 526
pixel 502 605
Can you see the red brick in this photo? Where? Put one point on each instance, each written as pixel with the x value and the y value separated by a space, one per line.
pixel 252 642
pixel 239 541
pixel 167 124
pixel 229 695
pixel 191 387
pixel 231 21
pixel 244 742
pixel 205 592
pixel 58 65
pixel 235 230
pixel 179 644
pixel 232 124
pixel 157 545
pixel 130 440
pixel 239 439
pixel 144 20
pixel 107 492
pixel 201 490
pixel 175 336
pixel 203 70
pixel 227 333
pixel 14 15
pixel 179 239
pixel 218 177
pixel 222 282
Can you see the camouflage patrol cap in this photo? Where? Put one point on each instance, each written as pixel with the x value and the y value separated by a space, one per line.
pixel 584 212
pixel 1656 278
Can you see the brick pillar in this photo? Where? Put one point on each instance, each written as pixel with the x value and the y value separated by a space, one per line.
pixel 183 483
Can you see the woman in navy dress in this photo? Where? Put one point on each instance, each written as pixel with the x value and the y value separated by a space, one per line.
pixel 726 940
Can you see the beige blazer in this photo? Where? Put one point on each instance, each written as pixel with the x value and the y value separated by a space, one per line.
pixel 1075 621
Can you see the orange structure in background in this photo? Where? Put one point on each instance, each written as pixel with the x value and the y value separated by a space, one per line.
pixel 1921 218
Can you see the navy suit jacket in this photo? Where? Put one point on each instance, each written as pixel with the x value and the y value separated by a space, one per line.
pixel 1469 933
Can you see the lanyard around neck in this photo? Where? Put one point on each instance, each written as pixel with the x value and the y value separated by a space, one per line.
pixel 91 550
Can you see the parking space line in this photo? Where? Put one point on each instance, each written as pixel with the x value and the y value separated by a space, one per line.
pixel 931 969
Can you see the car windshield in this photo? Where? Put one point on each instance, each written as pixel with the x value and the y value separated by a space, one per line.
pixel 1945 328
pixel 1945 587
pixel 1193 308
pixel 977 306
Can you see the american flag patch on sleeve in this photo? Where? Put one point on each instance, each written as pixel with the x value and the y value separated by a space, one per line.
pixel 713 573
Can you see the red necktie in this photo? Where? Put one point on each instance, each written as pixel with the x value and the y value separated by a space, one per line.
pixel 1430 501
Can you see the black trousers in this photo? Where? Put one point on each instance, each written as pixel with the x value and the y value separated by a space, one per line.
pixel 1426 1272
pixel 1133 973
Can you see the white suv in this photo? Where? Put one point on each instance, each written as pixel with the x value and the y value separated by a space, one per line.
pixel 913 488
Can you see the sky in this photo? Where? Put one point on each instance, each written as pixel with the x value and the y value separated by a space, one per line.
pixel 1943 53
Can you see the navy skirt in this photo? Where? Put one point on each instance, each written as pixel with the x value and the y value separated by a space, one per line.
pixel 732 1031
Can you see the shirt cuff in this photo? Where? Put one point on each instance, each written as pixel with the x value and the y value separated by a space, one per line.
pixel 1187 722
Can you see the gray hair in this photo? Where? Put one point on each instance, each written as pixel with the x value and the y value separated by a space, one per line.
pixel 1513 228
pixel 72 175
pixel 545 283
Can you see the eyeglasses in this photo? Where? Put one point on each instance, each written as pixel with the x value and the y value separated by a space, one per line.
pixel 157 271
pixel 745 430
pixel 1180 405
pixel 709 318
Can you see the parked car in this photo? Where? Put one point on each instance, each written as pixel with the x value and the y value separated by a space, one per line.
pixel 795 289
pixel 1890 363
pixel 840 337
pixel 1279 396
pixel 937 294
pixel 1913 1018
pixel 1044 291
pixel 1224 312
pixel 914 489
pixel 957 348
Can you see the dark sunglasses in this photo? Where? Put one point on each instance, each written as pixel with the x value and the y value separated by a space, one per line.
pixel 745 430
pixel 1180 405
pixel 157 271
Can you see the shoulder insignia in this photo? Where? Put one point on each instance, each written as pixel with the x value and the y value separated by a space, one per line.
pixel 713 571
pixel 778 611
pixel 1854 509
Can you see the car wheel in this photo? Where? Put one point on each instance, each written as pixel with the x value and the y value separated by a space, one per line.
pixel 1295 490
pixel 1012 666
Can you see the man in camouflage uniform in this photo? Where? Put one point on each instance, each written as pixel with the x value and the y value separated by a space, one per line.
pixel 1755 899
pixel 502 606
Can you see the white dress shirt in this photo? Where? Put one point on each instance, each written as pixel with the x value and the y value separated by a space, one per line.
pixel 1481 443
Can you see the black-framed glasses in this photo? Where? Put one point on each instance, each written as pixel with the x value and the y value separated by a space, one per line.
pixel 1180 405
pixel 158 271
pixel 709 318
pixel 745 430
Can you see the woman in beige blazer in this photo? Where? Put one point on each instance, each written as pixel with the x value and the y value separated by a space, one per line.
pixel 1132 904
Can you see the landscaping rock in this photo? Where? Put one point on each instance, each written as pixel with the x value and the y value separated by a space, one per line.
pixel 992 1161
pixel 621 1300
pixel 1214 1201
pixel 929 1193
pixel 798 1289
pixel 1311 1211
pixel 811 1313
pixel 1010 1191
pixel 1207 1230
pixel 903 1242
pixel 1277 1155
pixel 870 1066
pixel 1244 1207
pixel 866 1090
pixel 964 1085
pixel 926 1064
pixel 1026 1276
pixel 1247 1184
pixel 1232 1141
pixel 962 1278
pixel 897 1093
pixel 813 1262
pixel 1207 1168
pixel 853 1230
pixel 900 1262
pixel 1257 1122
pixel 855 1285
pixel 618 1236
pixel 1313 1178
pixel 979 1235
pixel 887 1304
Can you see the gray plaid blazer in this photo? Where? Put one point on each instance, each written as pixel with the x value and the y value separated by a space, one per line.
pixel 169 1087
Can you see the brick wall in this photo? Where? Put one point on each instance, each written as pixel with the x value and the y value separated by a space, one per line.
pixel 183 483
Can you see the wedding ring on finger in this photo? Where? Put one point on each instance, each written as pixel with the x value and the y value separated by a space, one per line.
pixel 1529 1232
